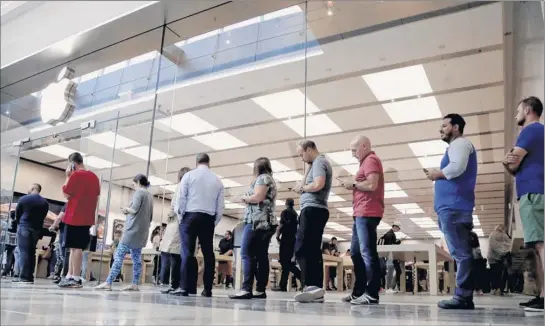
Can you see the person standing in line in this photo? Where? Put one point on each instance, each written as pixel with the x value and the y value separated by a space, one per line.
pixel 225 268
pixel 499 246
pixel 525 162
pixel 285 235
pixel 60 250
pixel 259 226
pixel 82 189
pixel 454 201
pixel 314 190
pixel 10 229
pixel 170 245
pixel 392 265
pixel 139 215
pixel 368 201
pixel 200 208
pixel 30 214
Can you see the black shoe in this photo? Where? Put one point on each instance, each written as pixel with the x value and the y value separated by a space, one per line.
pixel 260 295
pixel 167 291
pixel 349 298
pixel 206 294
pixel 529 303
pixel 243 295
pixel 456 304
pixel 180 293
pixel 537 306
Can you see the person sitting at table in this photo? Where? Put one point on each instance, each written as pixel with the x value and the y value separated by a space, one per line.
pixel 392 265
pixel 225 267
pixel 139 215
pixel 332 250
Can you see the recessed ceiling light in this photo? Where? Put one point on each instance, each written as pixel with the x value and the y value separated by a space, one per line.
pixel 435 233
pixel 288 176
pixel 346 210
pixel 110 139
pixel 334 198
pixel 337 227
pixel 409 208
pixel 430 161
pixel 220 140
pixel 142 152
pixel 392 190
pixel 342 158
pixel 319 124
pixel 286 104
pixel 424 222
pixel 187 124
pixel 413 110
pixel 58 150
pixel 98 163
pixel 426 148
pixel 398 83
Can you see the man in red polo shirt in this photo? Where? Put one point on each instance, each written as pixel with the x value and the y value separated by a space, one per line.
pixel 368 202
pixel 82 189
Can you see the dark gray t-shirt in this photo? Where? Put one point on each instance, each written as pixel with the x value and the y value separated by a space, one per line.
pixel 320 167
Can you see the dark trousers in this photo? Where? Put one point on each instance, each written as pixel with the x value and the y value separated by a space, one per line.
pixel 254 253
pixel 170 269
pixel 456 226
pixel 197 226
pixel 363 250
pixel 308 245
pixel 286 253
pixel 27 239
pixel 10 259
pixel 499 276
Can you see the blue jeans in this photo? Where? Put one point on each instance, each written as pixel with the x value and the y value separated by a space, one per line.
pixel 27 239
pixel 197 225
pixel 119 256
pixel 456 226
pixel 363 250
pixel 254 253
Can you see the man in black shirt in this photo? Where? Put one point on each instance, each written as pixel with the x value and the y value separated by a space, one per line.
pixel 225 268
pixel 30 214
pixel 392 265
pixel 285 235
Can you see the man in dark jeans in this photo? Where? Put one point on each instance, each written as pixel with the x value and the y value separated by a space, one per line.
pixel 368 202
pixel 200 207
pixel 314 190
pixel 30 215
pixel 285 235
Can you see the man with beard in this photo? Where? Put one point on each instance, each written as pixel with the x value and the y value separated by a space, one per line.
pixel 525 162
pixel 454 202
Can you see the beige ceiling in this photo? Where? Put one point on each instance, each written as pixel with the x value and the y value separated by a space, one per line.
pixel 461 54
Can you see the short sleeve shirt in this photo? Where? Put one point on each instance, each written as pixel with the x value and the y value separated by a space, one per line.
pixel 83 187
pixel 529 176
pixel 268 205
pixel 369 203
pixel 320 168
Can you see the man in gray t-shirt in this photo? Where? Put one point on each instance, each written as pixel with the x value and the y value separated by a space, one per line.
pixel 314 190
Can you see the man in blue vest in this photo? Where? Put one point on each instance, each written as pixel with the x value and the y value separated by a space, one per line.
pixel 454 202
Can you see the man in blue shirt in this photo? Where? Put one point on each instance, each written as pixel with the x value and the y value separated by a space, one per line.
pixel 454 202
pixel 30 214
pixel 199 208
pixel 525 162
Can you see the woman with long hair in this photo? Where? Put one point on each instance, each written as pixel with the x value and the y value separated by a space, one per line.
pixel 260 225
pixel 139 215
pixel 170 245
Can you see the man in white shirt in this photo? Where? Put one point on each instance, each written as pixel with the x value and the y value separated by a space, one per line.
pixel 199 208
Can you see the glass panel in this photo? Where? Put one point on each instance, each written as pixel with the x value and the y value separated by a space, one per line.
pixel 10 161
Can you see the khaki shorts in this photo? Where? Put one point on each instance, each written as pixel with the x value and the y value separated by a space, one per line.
pixel 531 215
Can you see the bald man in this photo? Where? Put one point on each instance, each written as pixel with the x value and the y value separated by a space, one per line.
pixel 368 201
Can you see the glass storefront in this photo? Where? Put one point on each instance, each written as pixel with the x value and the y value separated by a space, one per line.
pixel 325 71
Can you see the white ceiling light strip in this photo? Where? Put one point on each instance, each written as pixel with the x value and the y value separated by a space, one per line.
pixel 187 124
pixel 142 152
pixel 286 104
pixel 424 222
pixel 110 139
pixel 435 233
pixel 337 227
pixel 409 208
pixel 220 140
pixel 319 124
pixel 392 190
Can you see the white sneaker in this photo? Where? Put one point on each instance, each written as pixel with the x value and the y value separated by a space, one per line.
pixel 365 299
pixel 390 291
pixel 310 294
pixel 104 286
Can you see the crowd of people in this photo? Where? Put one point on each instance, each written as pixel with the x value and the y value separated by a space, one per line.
pixel 198 205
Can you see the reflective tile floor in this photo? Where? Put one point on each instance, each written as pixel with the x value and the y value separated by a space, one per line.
pixel 46 304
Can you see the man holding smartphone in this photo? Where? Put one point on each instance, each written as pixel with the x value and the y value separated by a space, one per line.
pixel 82 189
pixel 454 201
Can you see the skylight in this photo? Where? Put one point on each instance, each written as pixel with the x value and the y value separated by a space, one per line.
pixel 342 158
pixel 109 139
pixel 410 208
pixel 413 110
pixel 435 233
pixel 337 227
pixel 187 124
pixel 319 124
pixel 424 222
pixel 98 163
pixel 220 140
pixel 142 152
pixel 58 150
pixel 286 104
pixel 288 176
pixel 430 161
pixel 398 83
pixel 392 190
pixel 426 148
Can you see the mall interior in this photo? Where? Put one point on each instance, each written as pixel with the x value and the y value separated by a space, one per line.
pixel 148 85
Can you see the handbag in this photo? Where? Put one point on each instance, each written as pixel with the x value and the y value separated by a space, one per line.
pixel 263 220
